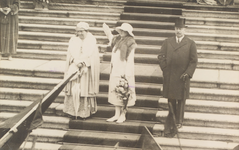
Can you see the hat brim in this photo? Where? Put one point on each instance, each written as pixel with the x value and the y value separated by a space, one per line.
pixel 120 28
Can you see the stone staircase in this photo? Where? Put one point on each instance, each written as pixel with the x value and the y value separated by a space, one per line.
pixel 211 117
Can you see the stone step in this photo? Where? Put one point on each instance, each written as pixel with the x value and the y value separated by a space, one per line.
pixel 70 14
pixel 214 94
pixel 202 63
pixel 47 135
pixel 56 29
pixel 133 113
pixel 213 37
pixel 101 138
pixel 100 124
pixel 189 20
pixel 48 84
pixel 195 6
pixel 152 10
pixel 212 21
pixel 202 53
pixel 160 3
pixel 86 7
pixel 149 73
pixel 210 14
pixel 208 105
pixel 43 45
pixel 92 2
pixel 54 69
pixel 42 146
pixel 148 24
pixel 137 32
pixel 64 21
pixel 102 98
pixel 104 111
pixel 141 40
pixel 218 64
pixel 206 45
pixel 215 79
pixel 188 144
pixel 40 54
pixel 214 54
pixel 205 106
pixel 193 35
pixel 210 95
pixel 207 29
pixel 71 146
pixel 54 37
pixel 205 119
pixel 47 54
pixel 79 7
pixel 157 128
pixel 76 146
pixel 202 78
pixel 49 45
pixel 93 123
pixel 17 106
pixel 203 133
pixel 149 17
pixel 50 122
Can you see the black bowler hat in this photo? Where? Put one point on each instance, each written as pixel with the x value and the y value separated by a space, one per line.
pixel 180 23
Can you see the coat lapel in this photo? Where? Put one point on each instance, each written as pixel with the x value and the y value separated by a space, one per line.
pixel 176 45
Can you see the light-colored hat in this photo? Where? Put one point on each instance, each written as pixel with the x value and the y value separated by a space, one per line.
pixel 83 25
pixel 125 27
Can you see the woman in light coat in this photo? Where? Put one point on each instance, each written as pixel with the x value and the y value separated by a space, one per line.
pixel 122 64
pixel 82 55
pixel 8 27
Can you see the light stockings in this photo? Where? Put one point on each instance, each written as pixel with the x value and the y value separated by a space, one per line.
pixel 119 115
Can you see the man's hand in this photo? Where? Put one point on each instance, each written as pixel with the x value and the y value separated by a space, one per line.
pixel 184 77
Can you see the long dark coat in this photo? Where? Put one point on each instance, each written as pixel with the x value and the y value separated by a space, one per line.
pixel 174 60
pixel 9 29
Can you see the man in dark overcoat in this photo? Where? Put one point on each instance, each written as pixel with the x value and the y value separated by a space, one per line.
pixel 178 61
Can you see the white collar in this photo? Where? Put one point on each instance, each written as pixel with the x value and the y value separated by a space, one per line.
pixel 180 39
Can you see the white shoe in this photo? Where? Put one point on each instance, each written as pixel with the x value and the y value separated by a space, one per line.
pixel 122 118
pixel 112 119
pixel 10 58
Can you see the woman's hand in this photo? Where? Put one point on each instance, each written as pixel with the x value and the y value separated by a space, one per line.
pixel 107 31
pixel 79 65
pixel 6 10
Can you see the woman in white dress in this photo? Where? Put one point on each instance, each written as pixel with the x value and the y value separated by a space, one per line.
pixel 122 64
pixel 82 55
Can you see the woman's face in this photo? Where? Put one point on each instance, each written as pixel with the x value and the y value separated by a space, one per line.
pixel 81 33
pixel 123 33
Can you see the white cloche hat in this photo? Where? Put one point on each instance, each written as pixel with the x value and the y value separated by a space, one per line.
pixel 126 27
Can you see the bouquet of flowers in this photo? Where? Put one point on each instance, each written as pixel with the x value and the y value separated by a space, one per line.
pixel 123 91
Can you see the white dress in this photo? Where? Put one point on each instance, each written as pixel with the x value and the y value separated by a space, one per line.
pixel 80 97
pixel 118 68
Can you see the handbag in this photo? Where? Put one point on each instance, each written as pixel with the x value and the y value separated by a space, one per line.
pixel 4 20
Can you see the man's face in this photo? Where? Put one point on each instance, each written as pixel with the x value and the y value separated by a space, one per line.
pixel 179 32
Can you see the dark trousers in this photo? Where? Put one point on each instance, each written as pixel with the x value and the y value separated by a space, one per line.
pixel 170 128
pixel 178 109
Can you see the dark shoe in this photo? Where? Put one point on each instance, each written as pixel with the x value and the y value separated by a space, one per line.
pixel 179 126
